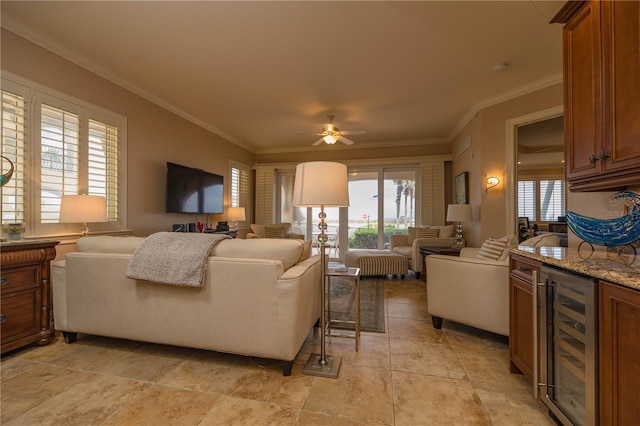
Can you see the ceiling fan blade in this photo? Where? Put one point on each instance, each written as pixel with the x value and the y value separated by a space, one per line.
pixel 353 132
pixel 345 140
pixel 310 134
pixel 318 142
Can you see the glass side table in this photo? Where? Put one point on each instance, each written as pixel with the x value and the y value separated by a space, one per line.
pixel 329 331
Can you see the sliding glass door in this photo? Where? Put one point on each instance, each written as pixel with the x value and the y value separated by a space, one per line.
pixel 382 202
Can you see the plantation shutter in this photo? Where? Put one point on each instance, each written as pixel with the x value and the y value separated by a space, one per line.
pixel 13 147
pixel 527 199
pixel 265 195
pixel 103 165
pixel 59 159
pixel 239 186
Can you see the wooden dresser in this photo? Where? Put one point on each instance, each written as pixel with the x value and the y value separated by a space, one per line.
pixel 27 313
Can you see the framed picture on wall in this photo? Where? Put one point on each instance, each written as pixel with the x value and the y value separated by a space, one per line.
pixel 462 188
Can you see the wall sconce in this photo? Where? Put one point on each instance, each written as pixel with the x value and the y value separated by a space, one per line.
pixel 492 182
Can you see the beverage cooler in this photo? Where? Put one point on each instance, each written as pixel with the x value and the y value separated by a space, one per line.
pixel 566 345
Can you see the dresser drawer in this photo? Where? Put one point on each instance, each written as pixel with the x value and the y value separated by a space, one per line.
pixel 20 314
pixel 20 279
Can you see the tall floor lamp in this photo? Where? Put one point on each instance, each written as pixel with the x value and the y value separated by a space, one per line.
pixel 321 184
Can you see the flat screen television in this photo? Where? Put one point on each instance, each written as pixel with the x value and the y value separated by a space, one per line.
pixel 191 190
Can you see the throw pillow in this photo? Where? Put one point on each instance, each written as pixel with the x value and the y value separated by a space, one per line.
pixel 492 249
pixel 446 231
pixel 274 231
pixel 428 233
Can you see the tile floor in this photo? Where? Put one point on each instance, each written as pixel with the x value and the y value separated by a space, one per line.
pixel 410 375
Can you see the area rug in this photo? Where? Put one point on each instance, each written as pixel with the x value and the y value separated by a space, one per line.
pixel 371 303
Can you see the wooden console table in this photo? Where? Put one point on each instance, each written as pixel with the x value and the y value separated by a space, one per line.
pixel 428 251
pixel 27 311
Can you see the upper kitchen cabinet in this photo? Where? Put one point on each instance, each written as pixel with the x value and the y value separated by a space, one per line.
pixel 601 44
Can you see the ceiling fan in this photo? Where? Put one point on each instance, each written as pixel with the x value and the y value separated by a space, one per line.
pixel 331 134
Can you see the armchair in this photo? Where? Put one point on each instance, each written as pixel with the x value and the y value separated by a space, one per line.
pixel 409 244
pixel 475 291
pixel 469 290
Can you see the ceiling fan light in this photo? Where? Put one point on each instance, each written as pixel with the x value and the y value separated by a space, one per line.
pixel 330 139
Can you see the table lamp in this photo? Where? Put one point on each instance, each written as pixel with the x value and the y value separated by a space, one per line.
pixel 235 215
pixel 459 213
pixel 83 209
pixel 321 184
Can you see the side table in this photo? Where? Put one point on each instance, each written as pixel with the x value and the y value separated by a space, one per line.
pixel 428 251
pixel 348 273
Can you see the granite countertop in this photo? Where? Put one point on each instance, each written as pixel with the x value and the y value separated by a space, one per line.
pixel 623 269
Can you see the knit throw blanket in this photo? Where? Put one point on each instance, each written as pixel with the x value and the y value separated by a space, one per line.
pixel 174 258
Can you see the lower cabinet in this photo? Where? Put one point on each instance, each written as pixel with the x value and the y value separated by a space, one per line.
pixel 619 355
pixel 521 314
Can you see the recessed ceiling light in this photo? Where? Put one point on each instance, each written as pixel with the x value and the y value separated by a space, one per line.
pixel 500 67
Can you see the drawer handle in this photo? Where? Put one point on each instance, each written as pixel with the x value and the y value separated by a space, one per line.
pixel 3 318
pixel 4 281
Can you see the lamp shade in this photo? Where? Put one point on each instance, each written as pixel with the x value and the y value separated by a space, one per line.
pixel 321 183
pixel 236 214
pixel 83 209
pixel 459 213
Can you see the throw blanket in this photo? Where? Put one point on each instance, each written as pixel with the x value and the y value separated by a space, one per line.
pixel 173 258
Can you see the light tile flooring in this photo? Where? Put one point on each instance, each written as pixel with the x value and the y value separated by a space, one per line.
pixel 410 375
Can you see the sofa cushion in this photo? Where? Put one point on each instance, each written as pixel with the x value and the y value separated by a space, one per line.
pixel 446 231
pixel 108 244
pixel 288 251
pixel 427 233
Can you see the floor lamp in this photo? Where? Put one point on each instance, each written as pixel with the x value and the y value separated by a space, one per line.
pixel 321 184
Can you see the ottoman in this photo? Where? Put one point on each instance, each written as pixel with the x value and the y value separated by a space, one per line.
pixel 377 262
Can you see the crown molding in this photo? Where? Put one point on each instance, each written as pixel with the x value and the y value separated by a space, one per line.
pixel 18 27
pixel 512 94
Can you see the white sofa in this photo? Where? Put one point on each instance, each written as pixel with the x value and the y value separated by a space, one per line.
pixel 259 298
pixel 409 244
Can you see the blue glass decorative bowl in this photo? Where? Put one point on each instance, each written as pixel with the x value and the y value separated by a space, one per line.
pixel 609 232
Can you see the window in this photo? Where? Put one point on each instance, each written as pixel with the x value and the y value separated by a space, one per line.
pixel 541 199
pixel 78 147
pixel 239 187
pixel 13 148
pixel 527 199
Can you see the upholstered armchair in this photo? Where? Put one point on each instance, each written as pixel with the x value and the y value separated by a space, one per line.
pixel 472 290
pixel 469 290
pixel 409 244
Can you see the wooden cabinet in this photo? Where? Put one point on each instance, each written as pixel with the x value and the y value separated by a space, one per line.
pixel 602 93
pixel 521 314
pixel 26 310
pixel 619 355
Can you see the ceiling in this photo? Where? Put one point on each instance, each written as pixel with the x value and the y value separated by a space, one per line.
pixel 261 73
